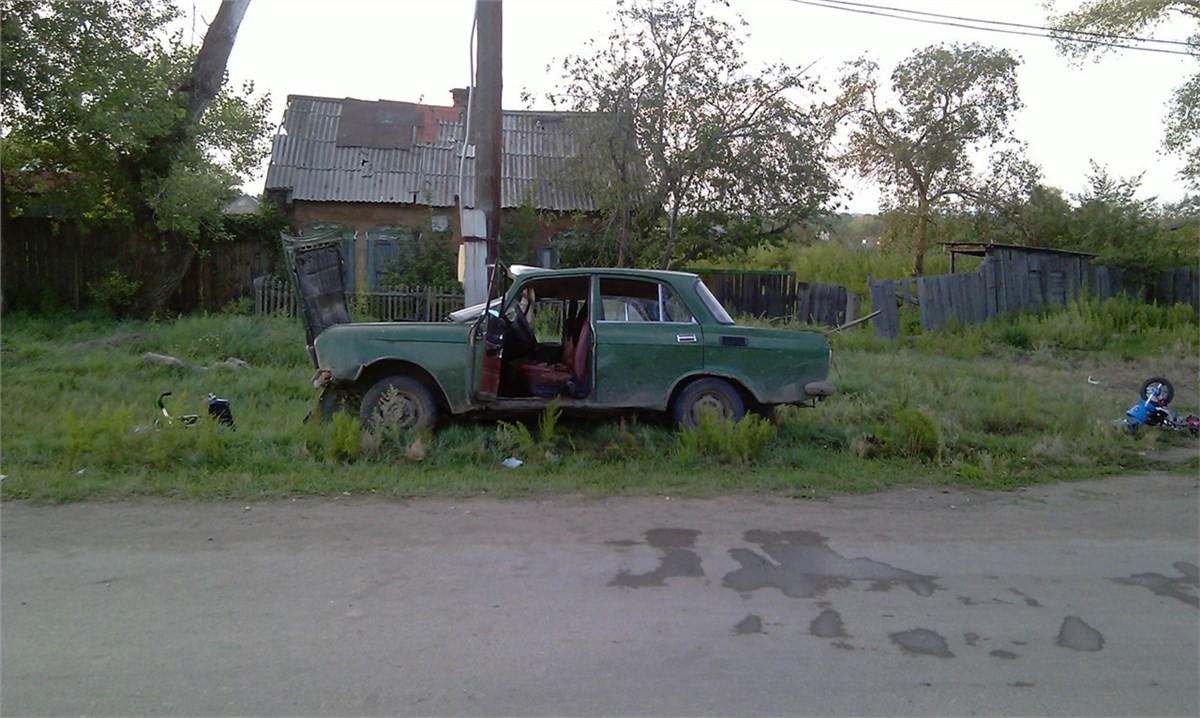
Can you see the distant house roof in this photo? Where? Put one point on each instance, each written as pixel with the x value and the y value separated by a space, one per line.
pixel 981 249
pixel 243 204
pixel 348 150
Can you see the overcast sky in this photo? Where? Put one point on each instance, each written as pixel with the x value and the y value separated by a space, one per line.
pixel 417 50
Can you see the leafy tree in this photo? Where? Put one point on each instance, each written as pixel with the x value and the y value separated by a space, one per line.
pixel 692 153
pixel 1105 218
pixel 1126 232
pixel 432 264
pixel 1101 20
pixel 110 118
pixel 1038 218
pixel 948 104
pixel 519 229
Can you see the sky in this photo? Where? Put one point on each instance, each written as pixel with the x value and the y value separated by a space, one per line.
pixel 1110 111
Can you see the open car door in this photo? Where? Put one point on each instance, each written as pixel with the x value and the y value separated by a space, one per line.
pixel 315 267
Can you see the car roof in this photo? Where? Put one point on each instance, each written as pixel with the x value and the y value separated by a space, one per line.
pixel 522 270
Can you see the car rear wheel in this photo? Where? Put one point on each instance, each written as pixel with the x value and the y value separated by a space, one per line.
pixel 400 403
pixel 715 395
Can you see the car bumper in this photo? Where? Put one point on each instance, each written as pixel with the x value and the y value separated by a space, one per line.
pixel 819 389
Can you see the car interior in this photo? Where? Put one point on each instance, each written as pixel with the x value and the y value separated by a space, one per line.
pixel 548 342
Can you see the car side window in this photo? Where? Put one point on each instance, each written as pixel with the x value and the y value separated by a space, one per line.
pixel 630 300
pixel 674 310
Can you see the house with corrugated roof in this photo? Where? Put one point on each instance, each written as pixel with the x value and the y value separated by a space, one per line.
pixel 383 174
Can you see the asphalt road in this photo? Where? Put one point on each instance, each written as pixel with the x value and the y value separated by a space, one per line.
pixel 1076 599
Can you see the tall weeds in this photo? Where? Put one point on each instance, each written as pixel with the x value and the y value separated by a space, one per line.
pixel 1019 400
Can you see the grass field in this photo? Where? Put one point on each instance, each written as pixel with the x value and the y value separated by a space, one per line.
pixel 998 406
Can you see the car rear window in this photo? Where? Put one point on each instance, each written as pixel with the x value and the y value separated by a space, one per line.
pixel 714 306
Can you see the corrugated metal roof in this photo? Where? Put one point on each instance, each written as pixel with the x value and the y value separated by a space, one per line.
pixel 307 162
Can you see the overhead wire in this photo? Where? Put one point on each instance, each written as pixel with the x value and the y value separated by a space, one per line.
pixel 1056 33
pixel 466 138
pixel 999 26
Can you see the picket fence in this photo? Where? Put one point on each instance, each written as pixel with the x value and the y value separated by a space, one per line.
pixel 407 304
pixel 766 295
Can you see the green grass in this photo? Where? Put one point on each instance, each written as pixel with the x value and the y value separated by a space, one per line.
pixel 996 406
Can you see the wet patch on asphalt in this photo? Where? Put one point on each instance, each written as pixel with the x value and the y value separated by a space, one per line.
pixel 678 559
pixel 1077 635
pixel 802 565
pixel 922 642
pixel 749 624
pixel 1182 588
pixel 828 625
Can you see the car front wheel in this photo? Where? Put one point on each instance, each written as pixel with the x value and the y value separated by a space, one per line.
pixel 398 402
pixel 715 395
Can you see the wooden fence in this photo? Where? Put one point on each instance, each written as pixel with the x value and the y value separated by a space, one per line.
pixel 779 295
pixel 48 265
pixel 1013 285
pixel 807 302
pixel 425 304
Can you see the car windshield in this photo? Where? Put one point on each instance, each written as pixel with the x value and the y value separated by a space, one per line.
pixel 471 313
pixel 714 306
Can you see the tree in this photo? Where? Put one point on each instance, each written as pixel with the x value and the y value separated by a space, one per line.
pixel 949 105
pixel 1041 218
pixel 690 153
pixel 1128 233
pixel 1105 218
pixel 112 119
pixel 1090 31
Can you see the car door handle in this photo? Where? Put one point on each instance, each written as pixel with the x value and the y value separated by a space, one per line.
pixel 685 338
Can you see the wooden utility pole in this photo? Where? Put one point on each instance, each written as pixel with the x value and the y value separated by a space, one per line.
pixel 480 252
pixel 490 86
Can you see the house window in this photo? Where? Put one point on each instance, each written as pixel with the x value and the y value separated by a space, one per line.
pixel 549 256
pixel 390 248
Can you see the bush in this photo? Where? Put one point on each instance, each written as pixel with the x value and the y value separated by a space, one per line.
pixel 716 437
pixel 909 433
pixel 117 292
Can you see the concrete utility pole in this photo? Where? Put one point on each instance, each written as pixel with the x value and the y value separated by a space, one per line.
pixel 480 251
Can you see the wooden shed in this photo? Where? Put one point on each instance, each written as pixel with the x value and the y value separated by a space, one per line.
pixel 1015 277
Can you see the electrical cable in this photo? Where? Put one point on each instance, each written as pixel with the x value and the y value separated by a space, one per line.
pixel 462 159
pixel 1056 33
pixel 878 10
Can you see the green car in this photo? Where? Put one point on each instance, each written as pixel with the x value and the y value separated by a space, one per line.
pixel 594 340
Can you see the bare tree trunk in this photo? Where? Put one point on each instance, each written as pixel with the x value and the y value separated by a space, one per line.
pixel 922 238
pixel 209 71
pixel 623 236
pixel 169 265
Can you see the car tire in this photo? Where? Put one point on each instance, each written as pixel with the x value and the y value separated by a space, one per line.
pixel 707 394
pixel 1168 389
pixel 399 403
